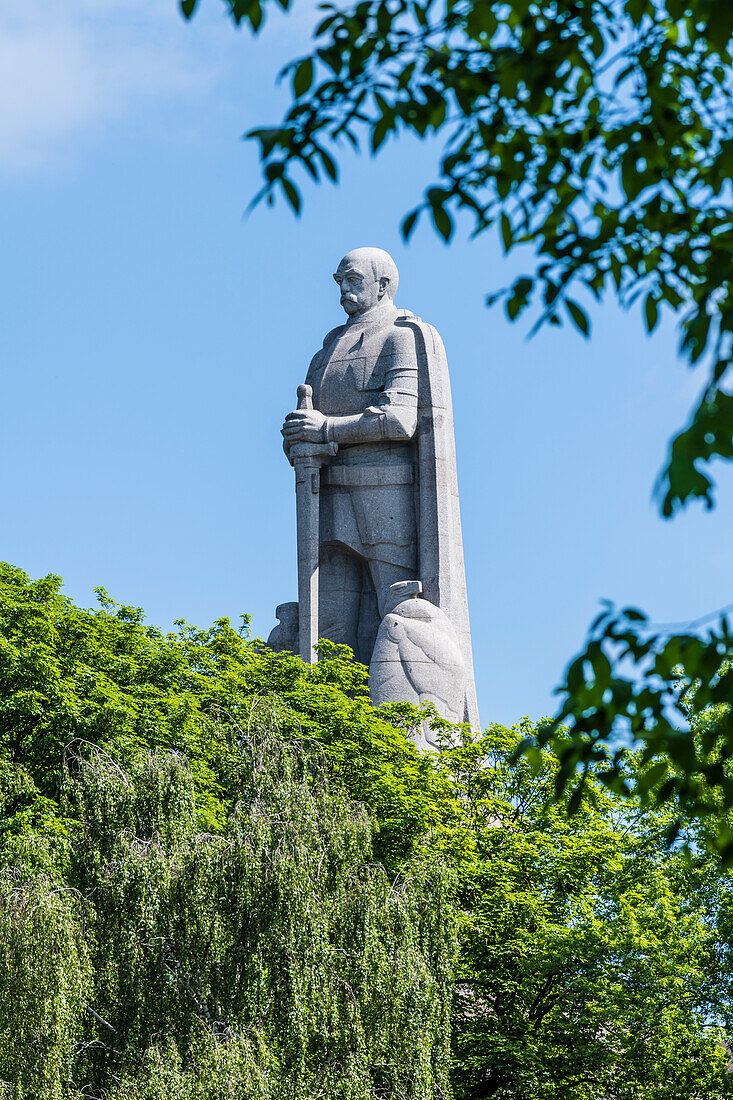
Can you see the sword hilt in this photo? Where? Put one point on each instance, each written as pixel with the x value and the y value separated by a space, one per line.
pixel 309 454
pixel 305 397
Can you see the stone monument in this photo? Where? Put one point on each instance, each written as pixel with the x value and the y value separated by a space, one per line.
pixel 380 552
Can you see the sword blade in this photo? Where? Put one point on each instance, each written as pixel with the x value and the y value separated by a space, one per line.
pixel 308 528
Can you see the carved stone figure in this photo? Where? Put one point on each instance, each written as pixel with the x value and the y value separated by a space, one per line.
pixel 417 658
pixel 377 496
pixel 284 636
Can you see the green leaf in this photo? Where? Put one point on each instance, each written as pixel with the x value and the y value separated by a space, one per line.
pixel 506 232
pixel 578 316
pixel 292 193
pixel 255 14
pixel 635 615
pixel 576 799
pixel 188 7
pixel 651 312
pixel 409 224
pixel 442 221
pixel 381 128
pixel 652 776
pixel 328 164
pixel 303 77
pixel 519 297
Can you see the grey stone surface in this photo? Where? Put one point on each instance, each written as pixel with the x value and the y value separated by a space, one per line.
pixel 377 498
pixel 417 658
pixel 307 459
pixel 284 636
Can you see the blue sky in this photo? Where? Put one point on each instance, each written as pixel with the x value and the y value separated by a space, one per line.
pixel 152 338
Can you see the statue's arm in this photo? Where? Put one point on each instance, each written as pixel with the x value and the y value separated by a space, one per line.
pixel 386 420
pixel 394 414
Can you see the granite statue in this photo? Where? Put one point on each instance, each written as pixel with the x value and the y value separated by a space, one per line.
pixel 380 551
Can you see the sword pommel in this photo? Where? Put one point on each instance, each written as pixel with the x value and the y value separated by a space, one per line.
pixel 305 397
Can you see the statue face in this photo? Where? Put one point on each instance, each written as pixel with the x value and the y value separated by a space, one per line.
pixel 360 291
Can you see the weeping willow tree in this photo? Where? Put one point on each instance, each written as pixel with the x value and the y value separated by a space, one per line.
pixel 274 960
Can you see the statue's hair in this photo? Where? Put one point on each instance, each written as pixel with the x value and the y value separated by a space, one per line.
pixel 379 262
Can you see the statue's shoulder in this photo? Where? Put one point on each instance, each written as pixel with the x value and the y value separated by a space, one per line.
pixel 323 352
pixel 409 322
pixel 332 335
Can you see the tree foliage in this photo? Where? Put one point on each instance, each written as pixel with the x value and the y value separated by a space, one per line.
pixel 274 959
pixel 279 898
pixel 107 677
pixel 592 957
pixel 670 693
pixel 45 977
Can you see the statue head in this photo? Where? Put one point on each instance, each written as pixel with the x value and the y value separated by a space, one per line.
pixel 366 277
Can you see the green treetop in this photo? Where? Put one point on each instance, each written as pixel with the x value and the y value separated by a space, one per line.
pixel 225 876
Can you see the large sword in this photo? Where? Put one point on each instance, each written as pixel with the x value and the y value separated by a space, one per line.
pixel 307 459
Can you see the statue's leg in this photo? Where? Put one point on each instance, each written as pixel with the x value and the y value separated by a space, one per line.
pixel 385 516
pixel 384 574
pixel 340 591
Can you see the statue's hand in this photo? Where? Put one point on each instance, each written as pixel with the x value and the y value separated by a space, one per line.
pixel 303 426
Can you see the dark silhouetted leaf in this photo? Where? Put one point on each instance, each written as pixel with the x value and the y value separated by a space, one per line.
pixel 303 77
pixel 578 315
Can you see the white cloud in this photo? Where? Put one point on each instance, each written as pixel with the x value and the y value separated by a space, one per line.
pixel 65 73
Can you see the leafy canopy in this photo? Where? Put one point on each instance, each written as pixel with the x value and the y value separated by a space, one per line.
pixel 592 958
pixel 267 894
pixel 273 960
pixel 107 677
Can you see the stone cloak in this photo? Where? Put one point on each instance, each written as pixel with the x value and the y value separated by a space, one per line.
pixel 440 541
